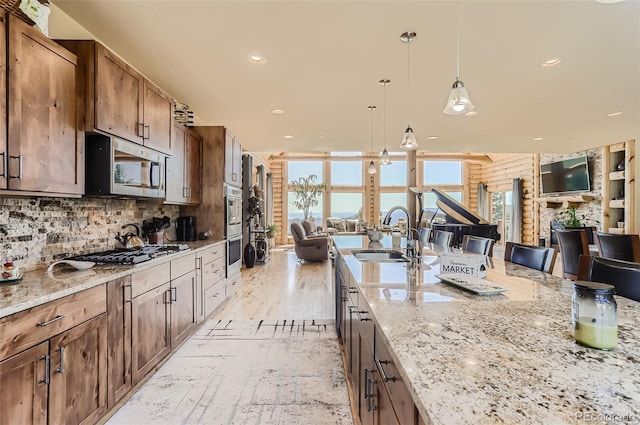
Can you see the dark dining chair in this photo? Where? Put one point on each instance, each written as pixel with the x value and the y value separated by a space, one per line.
pixel 618 247
pixel 624 275
pixel 573 243
pixel 442 237
pixel 534 257
pixel 477 245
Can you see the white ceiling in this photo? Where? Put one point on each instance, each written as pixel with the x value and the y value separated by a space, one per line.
pixel 324 60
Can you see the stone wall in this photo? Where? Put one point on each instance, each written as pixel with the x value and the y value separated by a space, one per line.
pixel 36 231
pixel 591 210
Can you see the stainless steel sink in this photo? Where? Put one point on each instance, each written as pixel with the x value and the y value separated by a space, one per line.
pixel 379 256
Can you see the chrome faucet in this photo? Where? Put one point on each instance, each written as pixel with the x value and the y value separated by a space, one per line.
pixel 414 246
pixel 387 218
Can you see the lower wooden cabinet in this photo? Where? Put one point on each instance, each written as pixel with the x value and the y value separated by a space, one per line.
pixel 183 314
pixel 150 330
pixel 119 292
pixel 59 381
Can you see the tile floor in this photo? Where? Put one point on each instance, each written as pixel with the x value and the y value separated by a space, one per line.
pixel 247 372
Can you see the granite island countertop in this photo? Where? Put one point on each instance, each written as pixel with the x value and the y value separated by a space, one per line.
pixel 508 358
pixel 40 286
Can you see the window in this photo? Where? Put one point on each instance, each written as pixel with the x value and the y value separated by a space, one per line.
pixel 442 172
pixel 346 205
pixel 294 213
pixel 346 173
pixel 389 200
pixel 394 174
pixel 297 169
pixel 430 208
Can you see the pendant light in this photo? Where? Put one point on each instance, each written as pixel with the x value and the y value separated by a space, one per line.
pixel 384 157
pixel 372 166
pixel 409 141
pixel 459 101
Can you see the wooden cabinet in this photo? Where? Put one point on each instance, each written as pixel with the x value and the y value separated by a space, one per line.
pixel 119 295
pixel 213 273
pixel 45 144
pixel 120 101
pixel 150 319
pixel 184 168
pixel 618 188
pixel 57 369
pixel 232 159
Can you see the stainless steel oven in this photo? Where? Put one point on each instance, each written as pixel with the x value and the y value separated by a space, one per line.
pixel 233 211
pixel 234 255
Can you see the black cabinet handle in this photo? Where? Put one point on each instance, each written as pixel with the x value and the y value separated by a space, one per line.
pixel 4 164
pixel 19 158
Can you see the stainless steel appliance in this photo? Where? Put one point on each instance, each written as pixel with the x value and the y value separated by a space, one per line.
pixel 116 167
pixel 233 229
pixel 233 211
pixel 131 256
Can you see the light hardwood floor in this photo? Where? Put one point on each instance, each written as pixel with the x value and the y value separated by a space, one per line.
pixel 283 288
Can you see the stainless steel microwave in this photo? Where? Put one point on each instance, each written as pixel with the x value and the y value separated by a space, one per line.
pixel 116 167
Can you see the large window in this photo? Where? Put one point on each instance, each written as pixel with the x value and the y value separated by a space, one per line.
pixel 315 212
pixel 297 169
pixel 389 200
pixel 430 208
pixel 442 173
pixel 346 205
pixel 346 173
pixel 394 174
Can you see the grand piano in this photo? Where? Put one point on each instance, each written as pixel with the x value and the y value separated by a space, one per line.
pixel 458 219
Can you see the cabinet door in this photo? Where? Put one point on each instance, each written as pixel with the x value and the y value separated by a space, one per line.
pixel 199 292
pixel 193 168
pixel 228 157
pixel 3 100
pixel 46 144
pixel 119 94
pixel 78 388
pixel 236 173
pixel 176 186
pixel 158 118
pixel 150 330
pixel 23 392
pixel 183 316
pixel 118 338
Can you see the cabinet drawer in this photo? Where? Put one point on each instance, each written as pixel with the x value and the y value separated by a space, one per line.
pixel 146 280
pixel 213 297
pixel 183 265
pixel 396 387
pixel 213 252
pixel 32 326
pixel 213 272
pixel 231 286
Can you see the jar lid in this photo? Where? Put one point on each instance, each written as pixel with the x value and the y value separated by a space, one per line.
pixel 595 287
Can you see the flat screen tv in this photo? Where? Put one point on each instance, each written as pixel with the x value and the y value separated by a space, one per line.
pixel 566 176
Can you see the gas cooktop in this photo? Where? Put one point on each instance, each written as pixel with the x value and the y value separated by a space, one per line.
pixel 131 256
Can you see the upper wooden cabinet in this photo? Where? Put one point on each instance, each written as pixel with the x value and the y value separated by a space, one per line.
pixel 232 159
pixel 44 151
pixel 184 168
pixel 120 101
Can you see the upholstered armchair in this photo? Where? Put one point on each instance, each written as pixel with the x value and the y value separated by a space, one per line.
pixel 312 247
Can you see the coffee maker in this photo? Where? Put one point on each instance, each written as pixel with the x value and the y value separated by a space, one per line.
pixel 186 228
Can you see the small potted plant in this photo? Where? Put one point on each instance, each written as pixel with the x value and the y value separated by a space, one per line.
pixel 571 218
pixel 271 229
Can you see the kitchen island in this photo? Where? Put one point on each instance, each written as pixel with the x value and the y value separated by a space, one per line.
pixel 507 358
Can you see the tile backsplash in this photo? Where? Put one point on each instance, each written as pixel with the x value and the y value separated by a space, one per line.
pixel 37 231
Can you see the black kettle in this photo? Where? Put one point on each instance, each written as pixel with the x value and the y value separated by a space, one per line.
pixel 186 228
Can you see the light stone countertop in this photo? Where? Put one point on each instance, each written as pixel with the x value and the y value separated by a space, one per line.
pixel 39 286
pixel 508 358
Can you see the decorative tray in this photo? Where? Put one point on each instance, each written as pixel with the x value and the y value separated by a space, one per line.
pixel 10 279
pixel 472 283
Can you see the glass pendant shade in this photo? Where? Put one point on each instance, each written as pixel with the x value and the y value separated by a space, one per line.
pixel 384 158
pixel 372 168
pixel 459 101
pixel 409 141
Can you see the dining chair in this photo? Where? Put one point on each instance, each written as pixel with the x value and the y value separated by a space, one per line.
pixel 573 243
pixel 424 234
pixel 534 257
pixel 624 275
pixel 442 237
pixel 477 245
pixel 618 247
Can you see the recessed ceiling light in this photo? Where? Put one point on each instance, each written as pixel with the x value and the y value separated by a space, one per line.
pixel 288 136
pixel 322 136
pixel 549 62
pixel 277 111
pixel 432 137
pixel 471 113
pixel 614 114
pixel 256 59
pixel 537 139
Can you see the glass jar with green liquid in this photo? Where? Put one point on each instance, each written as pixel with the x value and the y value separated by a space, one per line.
pixel 595 315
